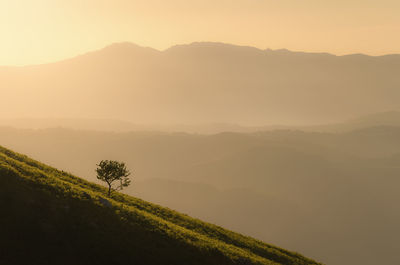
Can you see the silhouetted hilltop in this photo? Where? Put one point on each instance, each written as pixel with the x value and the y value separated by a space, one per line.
pixel 204 83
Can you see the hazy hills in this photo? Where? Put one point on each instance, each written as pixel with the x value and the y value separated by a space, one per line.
pixel 333 184
pixel 203 83
pixel 332 196
pixel 389 118
pixel 51 217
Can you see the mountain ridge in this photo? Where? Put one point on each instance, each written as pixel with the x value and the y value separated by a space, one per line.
pixel 131 46
pixel 204 83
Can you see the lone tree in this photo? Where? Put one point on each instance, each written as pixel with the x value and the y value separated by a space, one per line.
pixel 110 171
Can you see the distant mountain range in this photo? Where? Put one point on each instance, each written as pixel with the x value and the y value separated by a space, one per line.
pixel 391 118
pixel 204 83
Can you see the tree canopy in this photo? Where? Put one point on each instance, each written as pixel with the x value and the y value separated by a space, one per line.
pixel 111 171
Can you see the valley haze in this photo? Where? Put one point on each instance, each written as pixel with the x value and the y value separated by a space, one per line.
pixel 228 132
pixel 203 82
pixel 296 149
pixel 319 191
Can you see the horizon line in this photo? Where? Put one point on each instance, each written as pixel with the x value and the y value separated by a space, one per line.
pixel 197 43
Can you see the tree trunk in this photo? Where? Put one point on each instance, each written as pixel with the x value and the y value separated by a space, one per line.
pixel 109 190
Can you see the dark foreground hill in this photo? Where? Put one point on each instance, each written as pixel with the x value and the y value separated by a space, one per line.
pixel 51 217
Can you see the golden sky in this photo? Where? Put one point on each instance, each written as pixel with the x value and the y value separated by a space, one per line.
pixel 39 31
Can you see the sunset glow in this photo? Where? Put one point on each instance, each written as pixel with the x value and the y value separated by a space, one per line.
pixel 44 30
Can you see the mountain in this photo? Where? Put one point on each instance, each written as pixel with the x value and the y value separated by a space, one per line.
pixel 52 217
pixel 330 196
pixel 112 125
pixel 203 83
pixel 379 119
pixel 78 124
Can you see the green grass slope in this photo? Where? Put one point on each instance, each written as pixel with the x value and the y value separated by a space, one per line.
pixel 51 217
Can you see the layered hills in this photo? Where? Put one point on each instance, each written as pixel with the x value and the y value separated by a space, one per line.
pixel 203 83
pixel 330 196
pixel 52 217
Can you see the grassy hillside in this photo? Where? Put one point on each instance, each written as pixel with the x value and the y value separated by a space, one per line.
pixel 52 217
pixel 316 193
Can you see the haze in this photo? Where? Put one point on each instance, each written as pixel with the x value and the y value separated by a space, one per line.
pixel 276 119
pixel 203 83
pixel 42 31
